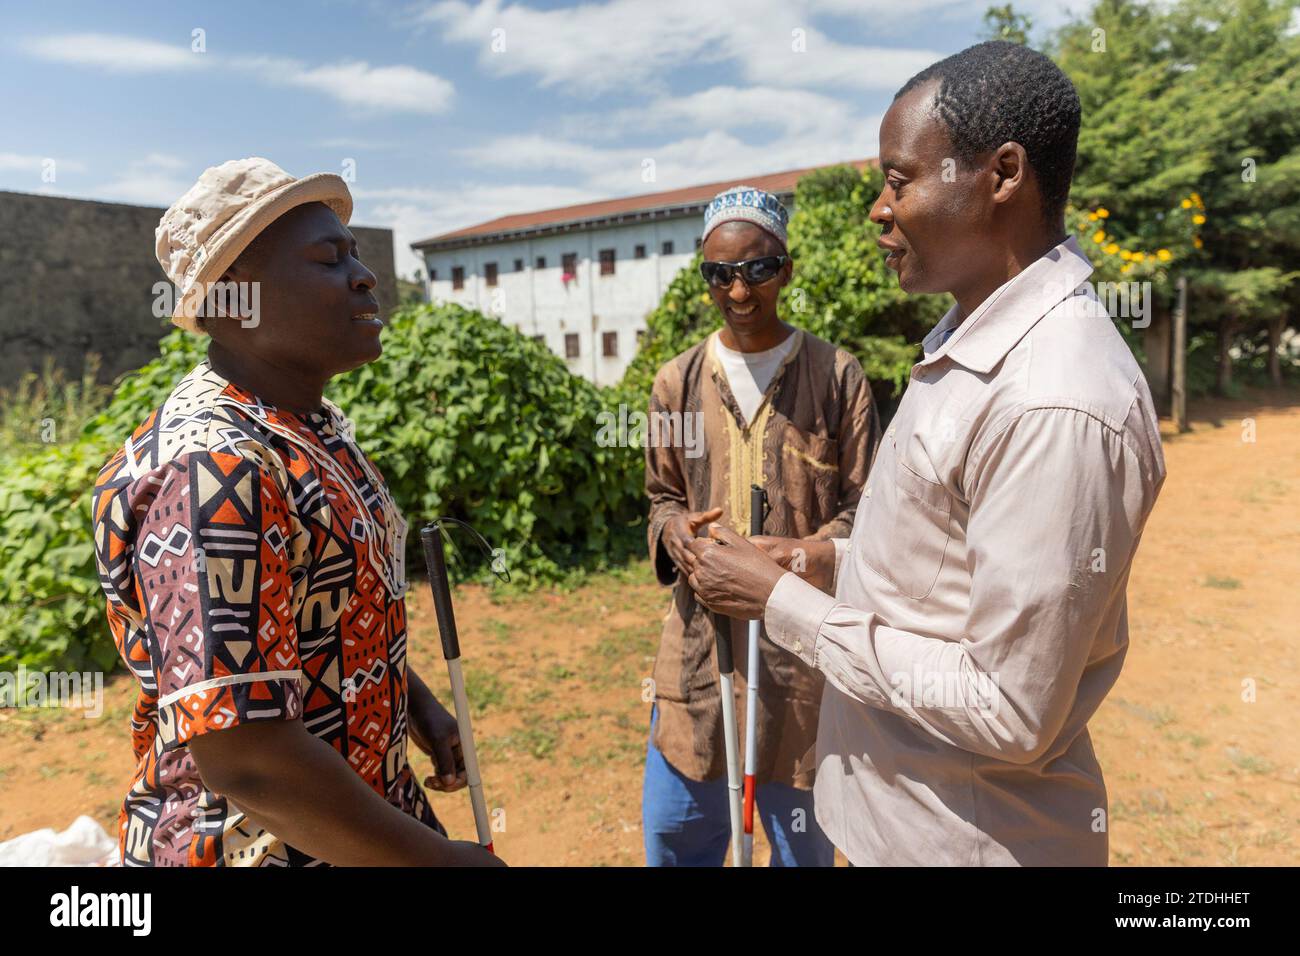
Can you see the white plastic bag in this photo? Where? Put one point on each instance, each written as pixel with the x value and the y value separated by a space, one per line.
pixel 83 844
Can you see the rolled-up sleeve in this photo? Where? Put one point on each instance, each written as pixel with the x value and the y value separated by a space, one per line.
pixel 1057 501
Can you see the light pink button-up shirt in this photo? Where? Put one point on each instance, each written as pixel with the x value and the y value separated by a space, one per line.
pixel 979 615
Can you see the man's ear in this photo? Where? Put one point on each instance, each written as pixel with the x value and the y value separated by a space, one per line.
pixel 1010 167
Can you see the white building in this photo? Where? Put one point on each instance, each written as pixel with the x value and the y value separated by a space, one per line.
pixel 581 278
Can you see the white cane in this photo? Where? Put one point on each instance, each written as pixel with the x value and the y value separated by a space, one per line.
pixel 757 504
pixel 431 538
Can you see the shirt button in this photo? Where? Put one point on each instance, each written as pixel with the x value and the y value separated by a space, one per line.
pixel 866 492
pixel 798 646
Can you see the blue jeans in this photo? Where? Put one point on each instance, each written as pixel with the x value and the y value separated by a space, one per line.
pixel 687 822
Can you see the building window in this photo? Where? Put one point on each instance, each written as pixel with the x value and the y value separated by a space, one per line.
pixel 519 265
pixel 569 263
pixel 698 242
pixel 458 277
pixel 607 262
pixel 639 253
pixel 541 262
pixel 571 345
pixel 667 248
pixel 433 275
pixel 490 273
pixel 609 344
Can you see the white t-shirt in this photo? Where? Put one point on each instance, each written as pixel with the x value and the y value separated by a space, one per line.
pixel 750 373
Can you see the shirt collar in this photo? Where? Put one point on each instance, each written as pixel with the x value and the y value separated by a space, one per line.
pixel 1006 316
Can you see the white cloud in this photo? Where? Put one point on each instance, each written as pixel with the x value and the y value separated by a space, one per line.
pixel 149 181
pixel 629 44
pixel 395 88
pixel 398 89
pixel 113 52
pixel 790 111
pixel 714 155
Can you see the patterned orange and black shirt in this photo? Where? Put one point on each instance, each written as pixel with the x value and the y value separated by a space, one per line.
pixel 253 562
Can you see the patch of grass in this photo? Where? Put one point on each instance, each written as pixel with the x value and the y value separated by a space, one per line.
pixel 537 695
pixel 536 740
pixel 1160 716
pixel 1225 584
pixel 558 672
pixel 1248 762
pixel 484 689
pixel 500 632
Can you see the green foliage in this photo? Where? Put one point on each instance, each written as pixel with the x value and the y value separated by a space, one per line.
pixel 841 291
pixel 1004 23
pixel 51 609
pixel 48 408
pixel 466 417
pixel 1195 98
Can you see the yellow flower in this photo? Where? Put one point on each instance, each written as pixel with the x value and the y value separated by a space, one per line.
pixel 1125 255
pixel 1102 212
pixel 1139 256
pixel 1164 255
pixel 1099 237
pixel 1092 217
pixel 1126 268
pixel 1111 249
pixel 1196 198
pixel 1196 241
pixel 1187 204
pixel 1198 218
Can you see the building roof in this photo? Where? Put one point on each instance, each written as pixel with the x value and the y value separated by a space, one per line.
pixel 672 202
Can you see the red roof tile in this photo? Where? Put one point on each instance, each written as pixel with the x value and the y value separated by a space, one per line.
pixel 779 183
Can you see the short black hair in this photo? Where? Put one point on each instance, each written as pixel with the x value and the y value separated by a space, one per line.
pixel 998 92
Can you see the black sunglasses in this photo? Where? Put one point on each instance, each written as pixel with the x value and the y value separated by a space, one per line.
pixel 720 275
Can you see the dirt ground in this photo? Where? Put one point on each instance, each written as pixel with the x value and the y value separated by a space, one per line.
pixel 1197 739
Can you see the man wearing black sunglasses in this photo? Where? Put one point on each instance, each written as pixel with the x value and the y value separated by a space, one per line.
pixel 782 409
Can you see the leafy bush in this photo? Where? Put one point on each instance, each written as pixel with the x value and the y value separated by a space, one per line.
pixel 468 418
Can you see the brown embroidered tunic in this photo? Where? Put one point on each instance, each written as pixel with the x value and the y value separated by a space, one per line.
pixel 810 446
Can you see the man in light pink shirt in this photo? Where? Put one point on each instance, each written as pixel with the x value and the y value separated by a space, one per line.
pixel 977 617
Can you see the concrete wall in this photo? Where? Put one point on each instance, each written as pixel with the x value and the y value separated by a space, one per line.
pixel 78 276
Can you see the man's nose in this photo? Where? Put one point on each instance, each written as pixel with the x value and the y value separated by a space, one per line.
pixel 880 211
pixel 363 278
pixel 739 291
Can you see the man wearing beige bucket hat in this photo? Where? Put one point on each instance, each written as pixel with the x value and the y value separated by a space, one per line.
pixel 253 560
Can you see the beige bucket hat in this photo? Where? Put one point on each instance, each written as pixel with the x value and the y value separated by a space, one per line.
pixel 205 230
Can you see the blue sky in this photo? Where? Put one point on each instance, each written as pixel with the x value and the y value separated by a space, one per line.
pixel 452 112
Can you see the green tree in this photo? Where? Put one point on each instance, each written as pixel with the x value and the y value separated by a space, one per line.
pixel 1005 23
pixel 1191 143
